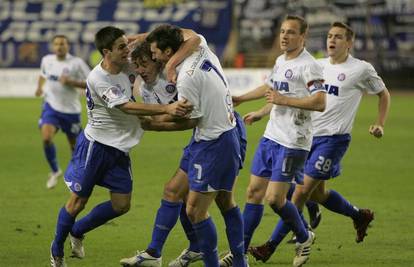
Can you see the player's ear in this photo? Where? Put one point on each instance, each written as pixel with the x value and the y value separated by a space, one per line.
pixel 105 51
pixel 169 51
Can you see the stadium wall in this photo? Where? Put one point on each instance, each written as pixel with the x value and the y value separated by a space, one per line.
pixel 22 82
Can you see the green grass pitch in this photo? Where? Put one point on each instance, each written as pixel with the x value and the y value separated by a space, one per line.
pixel 376 173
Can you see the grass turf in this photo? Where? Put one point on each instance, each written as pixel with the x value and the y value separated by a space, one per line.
pixel 376 174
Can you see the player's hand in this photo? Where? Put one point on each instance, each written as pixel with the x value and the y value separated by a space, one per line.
pixel 171 73
pixel 376 130
pixel 39 92
pixel 63 79
pixel 180 108
pixel 145 122
pixel 236 101
pixel 251 117
pixel 274 97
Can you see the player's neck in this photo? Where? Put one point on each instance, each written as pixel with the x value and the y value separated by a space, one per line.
pixel 339 59
pixel 61 58
pixel 110 67
pixel 293 53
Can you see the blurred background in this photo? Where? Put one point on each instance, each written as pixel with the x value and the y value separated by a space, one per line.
pixel 243 33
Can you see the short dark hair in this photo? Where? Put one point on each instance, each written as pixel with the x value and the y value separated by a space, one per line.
pixel 165 36
pixel 350 34
pixel 106 37
pixel 60 36
pixel 303 25
pixel 142 52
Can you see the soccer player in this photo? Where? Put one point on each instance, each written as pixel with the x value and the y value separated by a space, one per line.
pixel 346 80
pixel 62 75
pixel 101 152
pixel 156 89
pixel 293 90
pixel 211 160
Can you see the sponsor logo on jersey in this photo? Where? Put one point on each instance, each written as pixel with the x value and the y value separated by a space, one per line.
pixel 341 77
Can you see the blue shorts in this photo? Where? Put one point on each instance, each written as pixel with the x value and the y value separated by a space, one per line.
pixel 241 130
pixel 93 164
pixel 213 165
pixel 279 163
pixel 69 123
pixel 325 157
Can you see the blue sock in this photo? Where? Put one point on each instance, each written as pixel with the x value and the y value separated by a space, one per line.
pixel 95 218
pixel 64 224
pixel 337 203
pixel 281 230
pixel 311 205
pixel 290 215
pixel 189 230
pixel 252 215
pixel 167 217
pixel 234 231
pixel 50 153
pixel 207 241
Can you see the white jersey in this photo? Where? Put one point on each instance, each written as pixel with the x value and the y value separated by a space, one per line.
pixel 298 77
pixel 107 124
pixel 345 83
pixel 63 98
pixel 201 81
pixel 159 92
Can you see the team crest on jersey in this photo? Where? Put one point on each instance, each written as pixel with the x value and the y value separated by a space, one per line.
pixel 114 92
pixel 170 88
pixel 289 74
pixel 341 77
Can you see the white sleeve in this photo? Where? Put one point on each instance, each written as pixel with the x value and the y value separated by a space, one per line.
pixel 187 90
pixel 82 70
pixel 371 82
pixel 110 94
pixel 43 68
pixel 313 77
pixel 269 78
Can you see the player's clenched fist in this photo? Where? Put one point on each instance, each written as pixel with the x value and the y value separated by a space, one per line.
pixel 376 130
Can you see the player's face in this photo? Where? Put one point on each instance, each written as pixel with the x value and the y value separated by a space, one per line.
pixel 120 51
pixel 60 47
pixel 336 42
pixel 147 69
pixel 290 37
pixel 159 55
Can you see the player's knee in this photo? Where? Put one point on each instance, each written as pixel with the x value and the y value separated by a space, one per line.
pixel 172 193
pixel 275 201
pixel 121 208
pixel 194 214
pixel 255 194
pixel 75 205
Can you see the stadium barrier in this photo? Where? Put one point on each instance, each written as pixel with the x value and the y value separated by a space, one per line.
pixel 23 82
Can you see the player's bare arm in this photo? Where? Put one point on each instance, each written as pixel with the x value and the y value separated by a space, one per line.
pixel 254 116
pixel 315 102
pixel 256 93
pixel 191 43
pixel 66 80
pixel 178 125
pixel 40 83
pixel 377 129
pixel 179 108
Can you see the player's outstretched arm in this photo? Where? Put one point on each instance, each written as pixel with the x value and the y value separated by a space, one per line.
pixel 179 108
pixel 66 80
pixel 178 125
pixel 315 102
pixel 384 100
pixel 254 116
pixel 191 43
pixel 254 94
pixel 40 83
